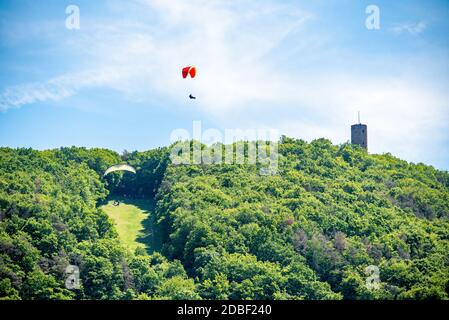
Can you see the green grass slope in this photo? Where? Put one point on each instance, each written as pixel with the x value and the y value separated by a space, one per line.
pixel 133 222
pixel 128 220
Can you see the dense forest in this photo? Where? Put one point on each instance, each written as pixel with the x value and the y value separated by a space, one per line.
pixel 308 232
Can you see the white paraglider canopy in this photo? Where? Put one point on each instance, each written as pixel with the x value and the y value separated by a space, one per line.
pixel 119 167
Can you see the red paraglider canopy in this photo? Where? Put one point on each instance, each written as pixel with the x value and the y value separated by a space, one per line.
pixel 189 71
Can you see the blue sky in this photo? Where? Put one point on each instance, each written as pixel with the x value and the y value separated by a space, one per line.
pixel 303 68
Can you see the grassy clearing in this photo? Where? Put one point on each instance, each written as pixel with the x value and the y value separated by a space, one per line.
pixel 133 222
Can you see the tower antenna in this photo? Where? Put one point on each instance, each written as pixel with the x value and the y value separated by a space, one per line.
pixel 359 116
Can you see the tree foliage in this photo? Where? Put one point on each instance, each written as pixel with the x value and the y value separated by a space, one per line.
pixel 308 232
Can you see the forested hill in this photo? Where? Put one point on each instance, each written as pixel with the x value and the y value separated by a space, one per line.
pixel 308 232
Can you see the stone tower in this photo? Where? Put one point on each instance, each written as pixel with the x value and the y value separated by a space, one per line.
pixel 359 134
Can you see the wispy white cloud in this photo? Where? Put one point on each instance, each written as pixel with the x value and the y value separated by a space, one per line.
pixel 410 28
pixel 56 88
